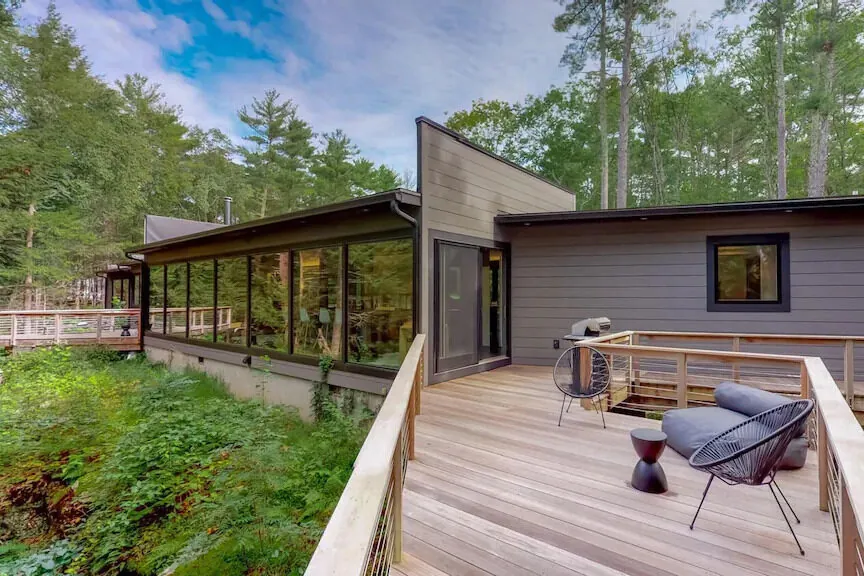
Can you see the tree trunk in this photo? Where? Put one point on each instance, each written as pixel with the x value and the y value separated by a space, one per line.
pixel 264 202
pixel 28 280
pixel 781 111
pixel 604 125
pixel 624 114
pixel 821 118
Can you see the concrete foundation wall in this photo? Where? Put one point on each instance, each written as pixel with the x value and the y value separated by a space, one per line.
pixel 257 382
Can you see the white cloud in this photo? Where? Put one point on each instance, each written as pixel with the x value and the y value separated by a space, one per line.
pixel 367 67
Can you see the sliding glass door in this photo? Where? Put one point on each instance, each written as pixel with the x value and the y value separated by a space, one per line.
pixel 470 305
pixel 458 306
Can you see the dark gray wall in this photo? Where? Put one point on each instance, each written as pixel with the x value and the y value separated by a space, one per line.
pixel 652 276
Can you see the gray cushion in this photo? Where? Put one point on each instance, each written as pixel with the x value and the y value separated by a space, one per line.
pixel 745 399
pixel 749 401
pixel 689 429
pixel 796 454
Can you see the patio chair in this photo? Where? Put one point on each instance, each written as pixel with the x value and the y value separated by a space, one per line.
pixel 582 372
pixel 750 452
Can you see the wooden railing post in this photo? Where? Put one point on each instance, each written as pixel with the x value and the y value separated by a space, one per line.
pixel 736 369
pixel 682 380
pixel 397 504
pixel 57 328
pixel 14 330
pixel 634 362
pixel 848 532
pixel 99 328
pixel 822 457
pixel 849 371
pixel 805 382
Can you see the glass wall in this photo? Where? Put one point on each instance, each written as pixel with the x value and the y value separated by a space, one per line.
pixel 491 304
pixel 318 302
pixel 298 301
pixel 175 323
pixel 380 302
pixel 201 300
pixel 270 309
pixel 231 296
pixel 157 299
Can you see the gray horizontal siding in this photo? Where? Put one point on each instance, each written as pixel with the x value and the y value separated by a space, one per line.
pixel 651 276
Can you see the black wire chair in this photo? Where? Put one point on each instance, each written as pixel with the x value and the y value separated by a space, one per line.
pixel 750 452
pixel 582 372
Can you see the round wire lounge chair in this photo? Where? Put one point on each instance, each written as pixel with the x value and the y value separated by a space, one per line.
pixel 582 372
pixel 750 452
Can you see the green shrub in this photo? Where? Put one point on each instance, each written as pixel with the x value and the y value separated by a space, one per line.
pixel 146 469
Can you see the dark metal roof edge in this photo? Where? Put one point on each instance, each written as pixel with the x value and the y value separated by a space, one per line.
pixel 681 211
pixel 399 194
pixel 462 139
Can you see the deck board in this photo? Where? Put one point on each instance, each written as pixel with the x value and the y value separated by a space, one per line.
pixel 498 488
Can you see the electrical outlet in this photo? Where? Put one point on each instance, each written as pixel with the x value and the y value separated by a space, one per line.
pixel 556 344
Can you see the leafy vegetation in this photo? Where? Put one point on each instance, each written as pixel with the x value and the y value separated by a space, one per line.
pixel 122 467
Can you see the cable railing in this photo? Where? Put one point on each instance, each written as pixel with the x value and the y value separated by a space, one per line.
pixel 33 328
pixel 364 534
pixel 652 379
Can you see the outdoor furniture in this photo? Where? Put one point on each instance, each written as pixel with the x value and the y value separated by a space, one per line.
pixel 583 373
pixel 688 429
pixel 750 452
pixel 648 475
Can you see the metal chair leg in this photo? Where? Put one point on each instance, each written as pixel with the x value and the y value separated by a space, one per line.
pixel 786 518
pixel 704 494
pixel 569 404
pixel 599 408
pixel 561 415
pixel 776 485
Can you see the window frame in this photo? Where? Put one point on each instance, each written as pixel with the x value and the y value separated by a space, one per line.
pixel 783 303
pixel 340 363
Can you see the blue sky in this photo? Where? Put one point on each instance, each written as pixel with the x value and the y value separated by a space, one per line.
pixel 366 66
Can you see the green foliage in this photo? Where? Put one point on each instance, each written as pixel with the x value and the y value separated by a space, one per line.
pixel 126 468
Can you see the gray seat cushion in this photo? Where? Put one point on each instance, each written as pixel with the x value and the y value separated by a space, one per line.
pixel 689 429
pixel 749 401
pixel 745 399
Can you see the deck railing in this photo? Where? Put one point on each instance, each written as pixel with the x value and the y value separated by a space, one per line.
pixel 364 535
pixel 200 319
pixel 31 328
pixel 688 375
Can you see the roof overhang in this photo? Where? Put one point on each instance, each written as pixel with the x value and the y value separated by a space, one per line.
pixel 312 215
pixel 666 212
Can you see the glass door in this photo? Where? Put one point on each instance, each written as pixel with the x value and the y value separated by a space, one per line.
pixel 458 306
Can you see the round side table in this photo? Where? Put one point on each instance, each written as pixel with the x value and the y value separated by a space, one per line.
pixel 648 475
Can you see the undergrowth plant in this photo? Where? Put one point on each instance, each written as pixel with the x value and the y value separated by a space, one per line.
pixel 115 466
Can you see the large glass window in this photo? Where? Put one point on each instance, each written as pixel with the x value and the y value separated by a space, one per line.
pixel 380 302
pixel 201 300
pixel 491 304
pixel 318 302
pixel 175 322
pixel 157 299
pixel 748 272
pixel 270 309
pixel 231 294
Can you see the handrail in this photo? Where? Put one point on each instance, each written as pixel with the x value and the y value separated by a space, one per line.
pixel 108 326
pixel 840 446
pixel 364 534
pixel 76 312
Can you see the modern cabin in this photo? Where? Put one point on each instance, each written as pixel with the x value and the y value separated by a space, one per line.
pixel 447 308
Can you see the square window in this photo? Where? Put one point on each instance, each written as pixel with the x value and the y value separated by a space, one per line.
pixel 748 273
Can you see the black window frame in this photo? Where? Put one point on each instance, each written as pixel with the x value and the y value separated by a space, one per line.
pixel 783 302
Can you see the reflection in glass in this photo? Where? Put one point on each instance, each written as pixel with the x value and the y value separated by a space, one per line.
pixel 201 300
pixel 175 323
pixel 379 302
pixel 231 295
pixel 270 308
pixel 747 273
pixel 492 309
pixel 157 299
pixel 317 302
pixel 458 304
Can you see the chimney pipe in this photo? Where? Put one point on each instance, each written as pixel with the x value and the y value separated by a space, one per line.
pixel 228 201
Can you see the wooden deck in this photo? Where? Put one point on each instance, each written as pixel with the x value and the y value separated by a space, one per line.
pixel 498 488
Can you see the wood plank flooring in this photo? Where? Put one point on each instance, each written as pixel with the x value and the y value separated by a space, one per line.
pixel 498 488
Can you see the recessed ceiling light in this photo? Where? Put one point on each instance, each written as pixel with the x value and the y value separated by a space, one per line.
pixel 643 218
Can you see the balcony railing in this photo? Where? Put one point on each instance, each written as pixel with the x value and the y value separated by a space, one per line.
pixel 666 377
pixel 364 535
pixel 32 328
